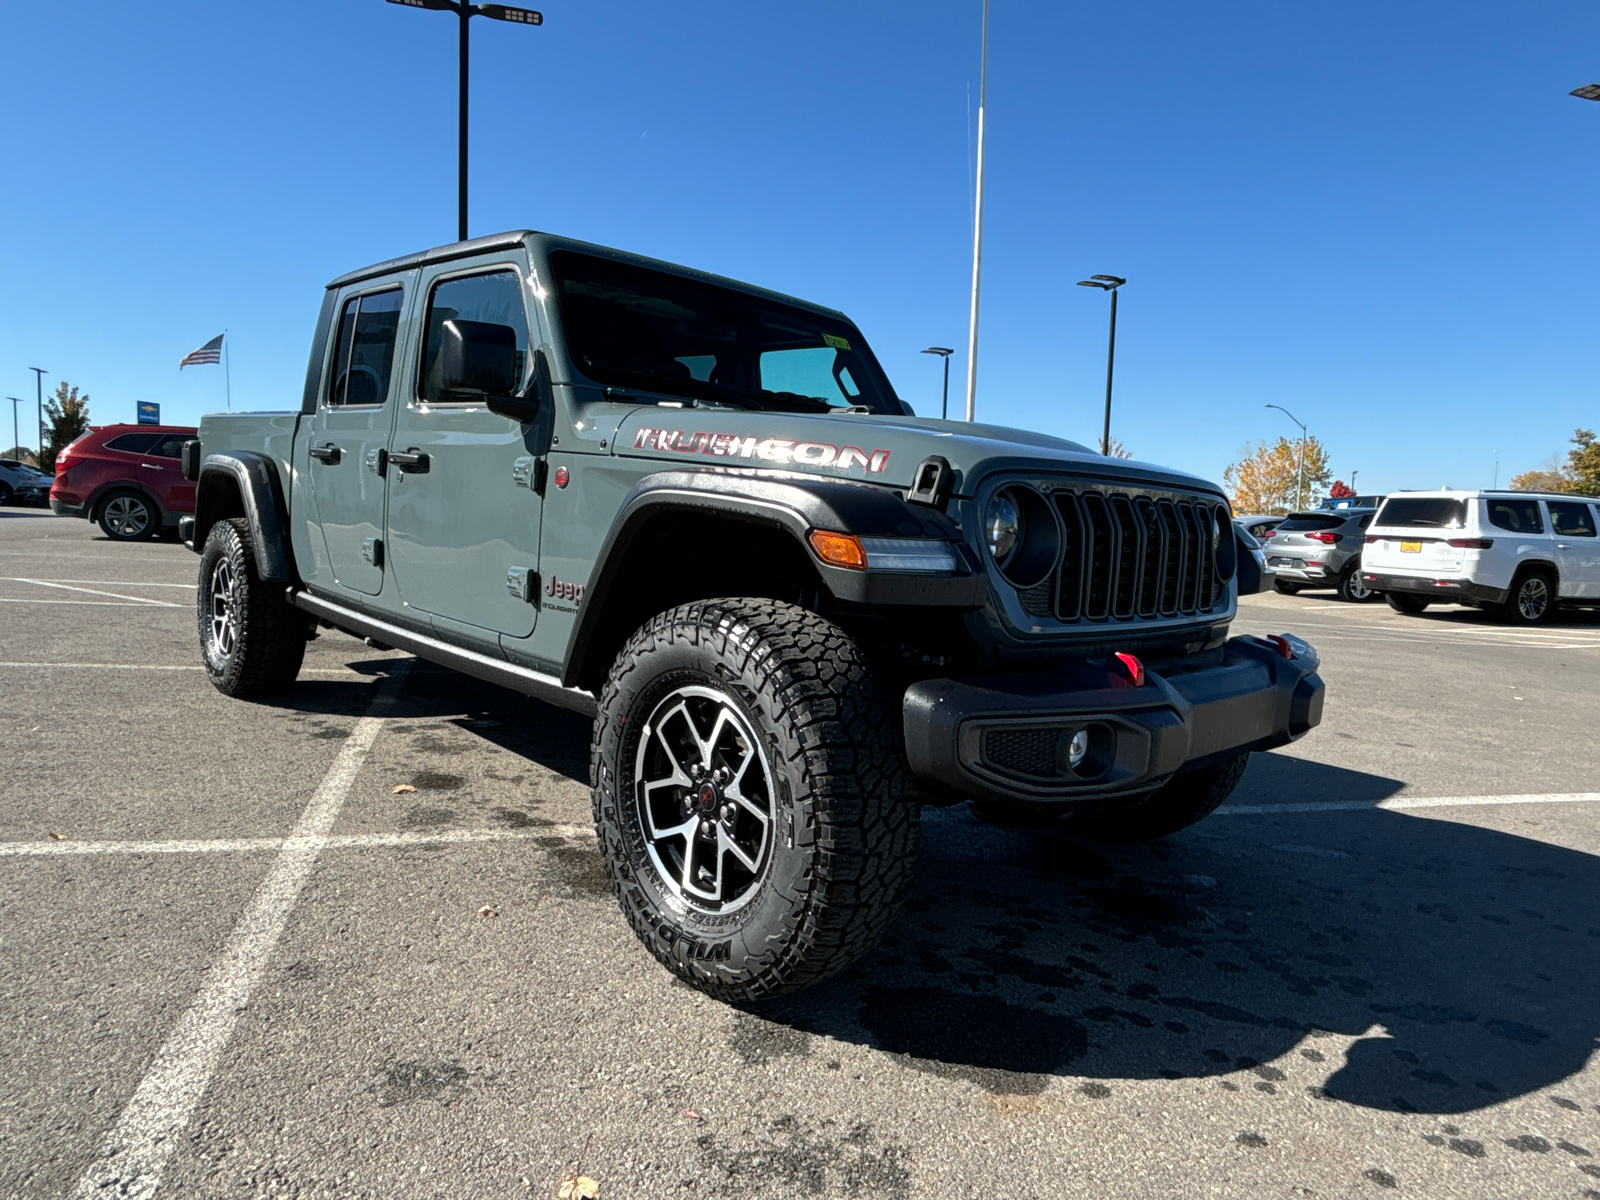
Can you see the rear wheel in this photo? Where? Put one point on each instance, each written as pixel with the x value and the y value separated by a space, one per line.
pixel 1353 588
pixel 1532 600
pixel 751 797
pixel 1401 602
pixel 252 640
pixel 128 517
pixel 1184 799
pixel 1284 586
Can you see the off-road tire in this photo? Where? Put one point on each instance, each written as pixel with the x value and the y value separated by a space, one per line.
pixel 1522 605
pixel 1184 799
pixel 1285 588
pixel 268 636
pixel 120 516
pixel 1352 588
pixel 1403 602
pixel 844 818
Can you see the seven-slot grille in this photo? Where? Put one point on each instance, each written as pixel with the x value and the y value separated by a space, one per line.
pixel 1129 556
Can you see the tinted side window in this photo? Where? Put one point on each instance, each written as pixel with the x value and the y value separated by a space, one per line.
pixel 133 443
pixel 494 299
pixel 170 446
pixel 364 352
pixel 1515 516
pixel 1571 519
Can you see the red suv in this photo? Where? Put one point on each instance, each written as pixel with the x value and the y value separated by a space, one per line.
pixel 127 477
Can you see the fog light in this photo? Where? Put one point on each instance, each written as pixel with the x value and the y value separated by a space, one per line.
pixel 1077 748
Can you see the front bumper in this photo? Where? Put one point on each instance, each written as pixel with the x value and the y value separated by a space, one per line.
pixel 1448 590
pixel 62 509
pixel 1007 737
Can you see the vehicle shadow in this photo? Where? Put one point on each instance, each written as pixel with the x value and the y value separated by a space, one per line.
pixel 1463 959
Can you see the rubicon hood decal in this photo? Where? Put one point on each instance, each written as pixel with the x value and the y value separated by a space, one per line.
pixel 773 450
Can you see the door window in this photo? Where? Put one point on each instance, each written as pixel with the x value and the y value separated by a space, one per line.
pixel 1571 519
pixel 133 443
pixel 1515 516
pixel 494 299
pixel 170 446
pixel 364 351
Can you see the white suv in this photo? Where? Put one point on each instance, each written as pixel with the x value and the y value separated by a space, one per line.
pixel 1518 555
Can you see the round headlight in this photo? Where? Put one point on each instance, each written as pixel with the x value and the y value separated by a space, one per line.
pixel 1002 525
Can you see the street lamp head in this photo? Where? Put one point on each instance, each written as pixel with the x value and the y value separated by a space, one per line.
pixel 1589 91
pixel 1111 279
pixel 437 5
pixel 941 351
pixel 1091 283
pixel 505 12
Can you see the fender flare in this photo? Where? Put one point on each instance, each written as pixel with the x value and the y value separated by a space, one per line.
pixel 261 493
pixel 796 504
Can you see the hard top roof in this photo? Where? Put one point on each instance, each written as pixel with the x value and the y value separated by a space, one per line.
pixel 515 238
pixel 1470 493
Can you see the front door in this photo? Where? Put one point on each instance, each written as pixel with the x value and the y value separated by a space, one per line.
pixel 1572 522
pixel 464 503
pixel 349 434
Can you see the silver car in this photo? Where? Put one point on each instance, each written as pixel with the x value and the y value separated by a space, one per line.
pixel 1320 550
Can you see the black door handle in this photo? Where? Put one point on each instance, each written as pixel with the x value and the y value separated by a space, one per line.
pixel 328 454
pixel 410 460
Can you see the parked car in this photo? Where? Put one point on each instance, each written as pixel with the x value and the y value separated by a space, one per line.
pixel 127 477
pixel 1338 503
pixel 1258 526
pixel 1248 541
pixel 1518 555
pixel 22 484
pixel 697 511
pixel 1320 549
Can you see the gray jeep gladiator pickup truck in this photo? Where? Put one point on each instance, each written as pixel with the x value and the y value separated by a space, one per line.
pixel 697 511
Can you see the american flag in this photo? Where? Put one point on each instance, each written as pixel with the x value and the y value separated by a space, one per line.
pixel 211 352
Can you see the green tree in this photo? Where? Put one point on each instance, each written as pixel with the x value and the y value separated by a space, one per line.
pixel 20 453
pixel 1583 463
pixel 1267 478
pixel 67 419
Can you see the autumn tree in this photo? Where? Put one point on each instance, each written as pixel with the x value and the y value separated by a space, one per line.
pixel 1579 474
pixel 1118 450
pixel 1267 478
pixel 67 416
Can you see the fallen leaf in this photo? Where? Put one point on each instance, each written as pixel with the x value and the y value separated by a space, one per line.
pixel 58 837
pixel 401 789
pixel 486 911
pixel 578 1187
pixel 692 1115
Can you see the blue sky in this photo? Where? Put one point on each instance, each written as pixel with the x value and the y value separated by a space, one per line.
pixel 1377 215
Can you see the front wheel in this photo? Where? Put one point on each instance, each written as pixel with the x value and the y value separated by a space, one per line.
pixel 751 796
pixel 1403 603
pixel 1532 600
pixel 1286 588
pixel 252 640
pixel 1184 799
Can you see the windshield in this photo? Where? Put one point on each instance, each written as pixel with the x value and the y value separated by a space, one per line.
pixel 635 327
pixel 1438 511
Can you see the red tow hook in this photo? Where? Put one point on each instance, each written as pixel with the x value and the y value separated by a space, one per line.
pixel 1133 666
pixel 1285 650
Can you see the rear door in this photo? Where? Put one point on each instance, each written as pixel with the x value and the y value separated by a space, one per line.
pixel 465 506
pixel 349 433
pixel 161 471
pixel 1572 523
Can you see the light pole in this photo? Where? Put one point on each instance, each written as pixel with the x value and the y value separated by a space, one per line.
pixel 943 352
pixel 1109 283
pixel 1300 489
pixel 38 388
pixel 1353 487
pixel 496 12
pixel 977 231
pixel 16 438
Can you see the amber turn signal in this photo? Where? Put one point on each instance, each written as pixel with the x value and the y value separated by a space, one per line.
pixel 839 549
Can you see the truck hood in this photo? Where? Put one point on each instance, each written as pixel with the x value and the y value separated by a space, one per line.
pixel 875 449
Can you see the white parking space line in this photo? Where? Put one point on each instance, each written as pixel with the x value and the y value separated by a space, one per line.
pixel 67 587
pixel 1404 803
pixel 144 1137
pixel 94 603
pixel 348 841
pixel 47 666
pixel 101 582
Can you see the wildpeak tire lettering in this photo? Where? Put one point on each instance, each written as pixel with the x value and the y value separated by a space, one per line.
pixel 774 450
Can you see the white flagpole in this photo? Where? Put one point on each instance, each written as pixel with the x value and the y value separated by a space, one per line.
pixel 227 370
pixel 977 233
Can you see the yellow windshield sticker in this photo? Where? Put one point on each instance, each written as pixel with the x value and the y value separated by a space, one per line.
pixel 838 343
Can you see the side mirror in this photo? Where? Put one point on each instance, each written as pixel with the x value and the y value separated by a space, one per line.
pixel 189 459
pixel 480 357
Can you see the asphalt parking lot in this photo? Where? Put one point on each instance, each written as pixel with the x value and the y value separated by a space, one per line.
pixel 232 952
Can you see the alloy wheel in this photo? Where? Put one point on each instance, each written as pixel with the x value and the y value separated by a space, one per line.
pixel 128 516
pixel 224 611
pixel 1533 598
pixel 705 799
pixel 1357 587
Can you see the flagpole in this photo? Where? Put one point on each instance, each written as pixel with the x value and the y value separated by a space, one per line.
pixel 977 231
pixel 227 370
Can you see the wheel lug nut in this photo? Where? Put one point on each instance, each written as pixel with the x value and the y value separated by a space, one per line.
pixel 727 813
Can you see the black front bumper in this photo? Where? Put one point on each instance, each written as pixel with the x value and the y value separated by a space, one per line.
pixel 1007 737
pixel 1447 590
